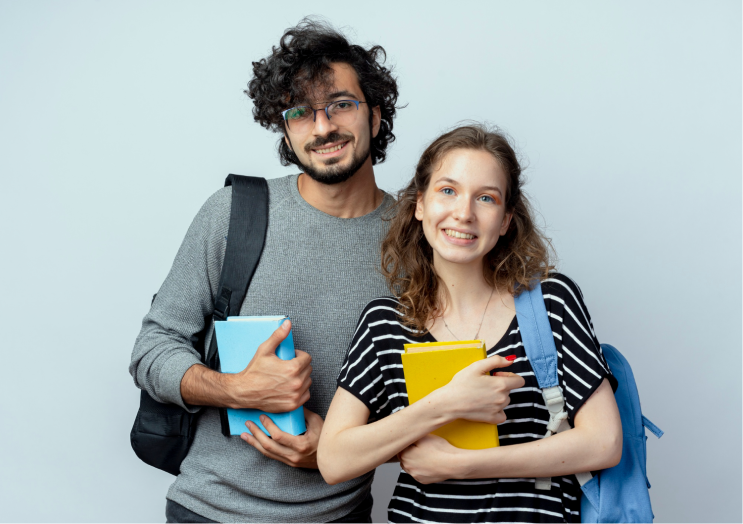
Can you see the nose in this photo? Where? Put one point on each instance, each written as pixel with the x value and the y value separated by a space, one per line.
pixel 463 209
pixel 323 125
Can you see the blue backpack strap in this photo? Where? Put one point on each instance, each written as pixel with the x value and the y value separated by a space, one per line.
pixel 536 333
pixel 539 344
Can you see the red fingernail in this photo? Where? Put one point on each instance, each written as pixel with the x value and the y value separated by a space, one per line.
pixel 511 358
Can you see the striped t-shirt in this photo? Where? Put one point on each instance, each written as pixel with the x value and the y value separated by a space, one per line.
pixel 373 373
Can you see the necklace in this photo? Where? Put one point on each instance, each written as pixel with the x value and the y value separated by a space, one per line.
pixel 478 327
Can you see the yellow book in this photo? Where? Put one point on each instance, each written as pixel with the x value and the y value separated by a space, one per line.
pixel 430 365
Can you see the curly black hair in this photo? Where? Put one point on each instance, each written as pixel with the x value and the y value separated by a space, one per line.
pixel 302 62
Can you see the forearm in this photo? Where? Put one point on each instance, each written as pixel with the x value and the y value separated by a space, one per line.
pixel 201 386
pixel 571 451
pixel 346 453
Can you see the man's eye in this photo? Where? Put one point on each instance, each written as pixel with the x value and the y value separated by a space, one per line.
pixel 344 105
pixel 296 113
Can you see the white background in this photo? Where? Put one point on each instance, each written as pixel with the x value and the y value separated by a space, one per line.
pixel 118 119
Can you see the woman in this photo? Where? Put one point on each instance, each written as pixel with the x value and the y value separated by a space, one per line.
pixel 461 245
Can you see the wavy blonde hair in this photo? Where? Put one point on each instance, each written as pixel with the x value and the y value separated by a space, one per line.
pixel 520 256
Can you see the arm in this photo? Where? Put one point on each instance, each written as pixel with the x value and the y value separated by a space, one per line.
pixel 349 447
pixel 594 443
pixel 164 361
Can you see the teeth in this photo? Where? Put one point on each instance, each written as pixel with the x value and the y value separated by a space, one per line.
pixel 457 234
pixel 330 149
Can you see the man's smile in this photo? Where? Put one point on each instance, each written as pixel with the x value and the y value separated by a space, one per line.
pixel 329 149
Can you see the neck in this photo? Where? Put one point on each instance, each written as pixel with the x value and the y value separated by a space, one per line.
pixel 464 289
pixel 357 196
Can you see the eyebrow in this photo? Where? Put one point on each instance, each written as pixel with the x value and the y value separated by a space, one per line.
pixel 338 94
pixel 452 181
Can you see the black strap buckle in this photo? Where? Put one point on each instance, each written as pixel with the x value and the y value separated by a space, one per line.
pixel 222 305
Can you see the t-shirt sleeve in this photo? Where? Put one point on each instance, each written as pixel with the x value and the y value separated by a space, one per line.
pixel 361 373
pixel 581 363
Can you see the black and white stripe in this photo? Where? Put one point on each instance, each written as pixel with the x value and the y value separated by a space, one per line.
pixel 372 372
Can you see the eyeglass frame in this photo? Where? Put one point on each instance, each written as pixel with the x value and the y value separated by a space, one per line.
pixel 325 109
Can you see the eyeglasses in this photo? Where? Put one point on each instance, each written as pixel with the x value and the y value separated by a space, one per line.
pixel 300 119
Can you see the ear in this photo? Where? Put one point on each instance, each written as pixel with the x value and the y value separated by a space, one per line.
pixel 419 207
pixel 506 223
pixel 376 120
pixel 288 143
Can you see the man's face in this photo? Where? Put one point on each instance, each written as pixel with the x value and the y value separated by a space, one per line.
pixel 329 152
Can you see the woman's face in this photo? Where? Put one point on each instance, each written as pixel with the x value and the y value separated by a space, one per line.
pixel 463 210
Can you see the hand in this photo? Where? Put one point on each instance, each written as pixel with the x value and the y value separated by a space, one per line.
pixel 474 394
pixel 269 383
pixel 431 459
pixel 298 452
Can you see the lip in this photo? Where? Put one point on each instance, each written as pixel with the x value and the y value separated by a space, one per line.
pixel 333 153
pixel 459 241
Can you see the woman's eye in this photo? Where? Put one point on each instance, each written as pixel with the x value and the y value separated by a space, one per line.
pixel 447 191
pixel 489 200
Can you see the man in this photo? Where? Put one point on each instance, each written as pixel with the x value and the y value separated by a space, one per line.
pixel 334 104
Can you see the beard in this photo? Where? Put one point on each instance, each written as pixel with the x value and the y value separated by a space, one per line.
pixel 332 174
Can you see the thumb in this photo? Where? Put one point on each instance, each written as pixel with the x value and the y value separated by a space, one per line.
pixel 277 337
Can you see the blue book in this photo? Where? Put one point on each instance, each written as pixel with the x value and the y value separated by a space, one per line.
pixel 238 339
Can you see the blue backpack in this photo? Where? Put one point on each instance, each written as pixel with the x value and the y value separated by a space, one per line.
pixel 618 494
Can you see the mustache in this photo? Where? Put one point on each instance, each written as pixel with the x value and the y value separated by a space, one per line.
pixel 321 141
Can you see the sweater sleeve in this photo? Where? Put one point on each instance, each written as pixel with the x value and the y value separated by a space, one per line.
pixel 581 365
pixel 163 351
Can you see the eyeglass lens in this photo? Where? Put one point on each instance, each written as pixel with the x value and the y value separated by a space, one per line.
pixel 341 112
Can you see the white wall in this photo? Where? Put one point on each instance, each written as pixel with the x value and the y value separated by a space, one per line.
pixel 118 119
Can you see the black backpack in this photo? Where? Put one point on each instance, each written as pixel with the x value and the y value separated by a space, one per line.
pixel 163 433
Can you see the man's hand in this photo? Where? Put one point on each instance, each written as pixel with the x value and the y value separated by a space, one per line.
pixel 298 452
pixel 268 383
pixel 474 394
pixel 431 459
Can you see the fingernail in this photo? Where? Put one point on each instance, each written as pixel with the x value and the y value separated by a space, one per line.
pixel 263 418
pixel 511 358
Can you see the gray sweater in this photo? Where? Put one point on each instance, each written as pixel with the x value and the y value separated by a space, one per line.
pixel 318 269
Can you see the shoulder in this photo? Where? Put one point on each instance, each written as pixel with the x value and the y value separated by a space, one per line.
pixel 382 315
pixel 382 308
pixel 563 287
pixel 220 202
pixel 280 186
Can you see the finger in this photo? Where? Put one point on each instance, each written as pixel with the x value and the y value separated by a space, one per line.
pixel 277 337
pixel 314 421
pixel 490 363
pixel 273 430
pixel 303 357
pixel 514 382
pixel 265 441
pixel 282 442
pixel 247 437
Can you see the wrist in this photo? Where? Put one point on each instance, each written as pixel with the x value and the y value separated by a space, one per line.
pixel 458 464
pixel 478 463
pixel 230 390
pixel 442 409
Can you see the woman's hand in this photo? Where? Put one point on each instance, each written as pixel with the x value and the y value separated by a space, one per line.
pixel 431 459
pixel 474 394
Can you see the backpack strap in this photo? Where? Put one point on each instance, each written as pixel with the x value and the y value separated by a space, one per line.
pixel 536 334
pixel 245 239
